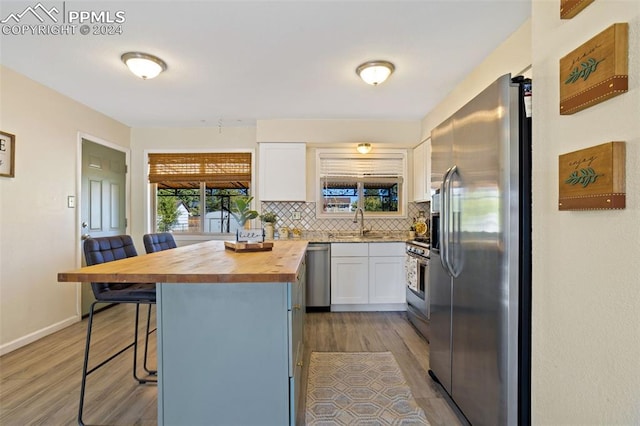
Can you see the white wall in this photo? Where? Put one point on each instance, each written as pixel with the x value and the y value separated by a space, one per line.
pixel 512 56
pixel 205 139
pixel 586 272
pixel 381 133
pixel 341 134
pixel 38 233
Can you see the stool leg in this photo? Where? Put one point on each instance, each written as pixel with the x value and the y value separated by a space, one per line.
pixel 85 364
pixel 135 350
pixel 146 344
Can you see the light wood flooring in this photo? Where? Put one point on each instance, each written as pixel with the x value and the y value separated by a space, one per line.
pixel 40 383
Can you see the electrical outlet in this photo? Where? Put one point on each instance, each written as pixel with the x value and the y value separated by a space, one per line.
pixel 71 201
pixel 295 215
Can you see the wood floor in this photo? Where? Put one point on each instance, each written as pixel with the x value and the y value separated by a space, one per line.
pixel 40 383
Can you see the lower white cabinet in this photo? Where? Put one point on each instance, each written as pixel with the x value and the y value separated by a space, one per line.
pixel 370 274
pixel 349 280
pixel 386 284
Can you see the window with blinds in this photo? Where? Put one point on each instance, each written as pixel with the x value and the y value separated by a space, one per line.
pixel 222 170
pixel 373 182
pixel 194 190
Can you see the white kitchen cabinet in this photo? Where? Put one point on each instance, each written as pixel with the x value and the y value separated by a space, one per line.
pixel 282 172
pixel 386 273
pixel 367 276
pixel 349 273
pixel 422 172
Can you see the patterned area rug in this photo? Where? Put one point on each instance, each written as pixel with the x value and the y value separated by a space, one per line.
pixel 359 388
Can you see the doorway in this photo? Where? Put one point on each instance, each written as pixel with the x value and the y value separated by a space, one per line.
pixel 102 199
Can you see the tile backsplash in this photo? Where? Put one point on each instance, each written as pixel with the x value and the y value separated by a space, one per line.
pixel 309 222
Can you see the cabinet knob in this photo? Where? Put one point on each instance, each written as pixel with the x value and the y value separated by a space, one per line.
pixel 299 364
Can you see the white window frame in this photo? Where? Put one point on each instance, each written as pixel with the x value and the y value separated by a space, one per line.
pixel 348 154
pixel 150 189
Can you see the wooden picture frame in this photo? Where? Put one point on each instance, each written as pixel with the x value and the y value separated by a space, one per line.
pixel 570 8
pixel 7 154
pixel 592 178
pixel 595 71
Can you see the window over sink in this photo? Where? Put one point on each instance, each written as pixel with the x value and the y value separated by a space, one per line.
pixel 347 181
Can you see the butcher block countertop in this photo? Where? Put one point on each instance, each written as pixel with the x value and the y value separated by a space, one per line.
pixel 207 262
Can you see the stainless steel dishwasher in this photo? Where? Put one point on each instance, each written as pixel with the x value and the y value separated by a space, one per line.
pixel 318 277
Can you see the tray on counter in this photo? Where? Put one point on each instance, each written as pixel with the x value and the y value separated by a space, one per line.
pixel 243 247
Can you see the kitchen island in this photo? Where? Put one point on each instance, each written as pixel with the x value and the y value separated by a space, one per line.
pixel 229 330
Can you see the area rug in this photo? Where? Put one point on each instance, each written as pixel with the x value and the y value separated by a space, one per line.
pixel 359 388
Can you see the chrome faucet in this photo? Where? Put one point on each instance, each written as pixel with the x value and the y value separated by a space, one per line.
pixel 355 220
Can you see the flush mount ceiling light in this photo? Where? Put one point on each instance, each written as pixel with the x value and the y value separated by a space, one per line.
pixel 375 72
pixel 144 65
pixel 364 148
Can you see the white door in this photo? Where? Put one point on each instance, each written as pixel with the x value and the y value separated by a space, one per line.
pixel 102 197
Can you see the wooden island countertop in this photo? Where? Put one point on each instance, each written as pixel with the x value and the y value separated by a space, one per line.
pixel 207 262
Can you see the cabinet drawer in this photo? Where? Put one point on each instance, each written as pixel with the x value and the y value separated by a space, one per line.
pixel 349 249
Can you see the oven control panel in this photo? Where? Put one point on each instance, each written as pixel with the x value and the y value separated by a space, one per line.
pixel 417 250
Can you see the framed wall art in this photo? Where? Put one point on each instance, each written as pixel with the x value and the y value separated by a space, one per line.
pixel 570 8
pixel 592 178
pixel 7 154
pixel 595 71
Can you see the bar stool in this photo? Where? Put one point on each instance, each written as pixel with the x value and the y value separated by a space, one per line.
pixel 158 242
pixel 108 249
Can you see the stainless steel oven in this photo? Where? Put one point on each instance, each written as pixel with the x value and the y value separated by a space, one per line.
pixel 417 280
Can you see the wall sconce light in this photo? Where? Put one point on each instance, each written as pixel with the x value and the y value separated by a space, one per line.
pixel 144 65
pixel 364 148
pixel 375 72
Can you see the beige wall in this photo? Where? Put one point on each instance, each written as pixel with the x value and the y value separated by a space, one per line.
pixel 586 272
pixel 204 139
pixel 38 233
pixel 325 133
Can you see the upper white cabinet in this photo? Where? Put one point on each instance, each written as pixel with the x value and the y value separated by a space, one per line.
pixel 422 172
pixel 282 172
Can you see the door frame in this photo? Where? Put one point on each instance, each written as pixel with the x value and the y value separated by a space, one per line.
pixel 127 198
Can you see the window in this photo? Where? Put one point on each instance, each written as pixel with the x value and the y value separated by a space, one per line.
pixel 193 191
pixel 350 181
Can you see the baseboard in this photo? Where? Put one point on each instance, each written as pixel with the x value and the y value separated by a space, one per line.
pixel 378 307
pixel 32 337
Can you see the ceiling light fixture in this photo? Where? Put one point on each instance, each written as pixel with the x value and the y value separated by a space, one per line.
pixel 364 148
pixel 375 72
pixel 144 65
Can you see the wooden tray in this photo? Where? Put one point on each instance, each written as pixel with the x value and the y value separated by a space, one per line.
pixel 247 247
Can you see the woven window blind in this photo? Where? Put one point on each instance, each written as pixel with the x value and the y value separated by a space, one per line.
pixel 211 168
pixel 333 167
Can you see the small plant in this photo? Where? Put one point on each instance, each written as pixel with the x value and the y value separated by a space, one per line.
pixel 241 209
pixel 269 217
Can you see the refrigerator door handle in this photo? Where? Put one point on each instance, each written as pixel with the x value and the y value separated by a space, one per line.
pixel 443 216
pixel 446 221
pixel 454 259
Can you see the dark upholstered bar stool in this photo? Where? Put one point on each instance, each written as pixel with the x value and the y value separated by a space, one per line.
pixel 158 242
pixel 153 243
pixel 108 249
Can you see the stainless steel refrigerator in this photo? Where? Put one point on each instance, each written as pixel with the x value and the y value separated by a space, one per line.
pixel 480 269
